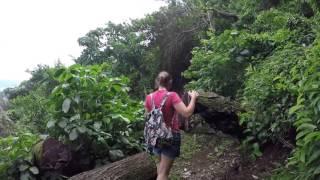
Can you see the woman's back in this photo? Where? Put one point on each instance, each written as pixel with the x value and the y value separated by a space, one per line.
pixel 168 110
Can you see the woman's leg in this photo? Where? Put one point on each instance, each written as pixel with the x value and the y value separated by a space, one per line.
pixel 158 163
pixel 164 167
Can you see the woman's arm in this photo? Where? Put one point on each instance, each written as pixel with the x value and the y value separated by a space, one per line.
pixel 184 110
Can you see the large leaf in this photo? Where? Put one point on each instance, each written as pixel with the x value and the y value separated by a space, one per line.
pixel 73 135
pixel 34 170
pixel 59 72
pixel 75 117
pixel 51 123
pixel 66 105
pixel 295 108
pixel 97 125
pixel 308 126
pixel 82 129
pixel 25 176
pixel 23 167
pixel 315 156
pixel 62 123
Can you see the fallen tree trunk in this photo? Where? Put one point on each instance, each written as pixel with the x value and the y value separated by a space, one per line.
pixel 139 166
pixel 216 103
pixel 220 112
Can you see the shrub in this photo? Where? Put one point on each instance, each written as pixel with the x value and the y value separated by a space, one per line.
pixel 269 93
pixel 93 112
pixel 31 112
pixel 15 157
pixel 306 157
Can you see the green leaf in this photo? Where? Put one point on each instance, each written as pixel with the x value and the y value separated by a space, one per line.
pixel 23 167
pixel 55 90
pixel 66 105
pixel 301 134
pixel 115 155
pixel 51 123
pixel 62 123
pixel 77 99
pixel 302 120
pixel 256 149
pixel 115 116
pixel 295 108
pixel 75 117
pixel 308 126
pixel 97 125
pixel 58 72
pixel 34 170
pixel 315 155
pixel 107 120
pixel 233 33
pixel 124 118
pixel 73 135
pixel 310 136
pixel 82 129
pixel 125 140
pixel 302 156
pixel 317 171
pixel 24 176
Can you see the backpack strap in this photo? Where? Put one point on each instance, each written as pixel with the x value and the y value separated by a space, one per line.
pixel 164 100
pixel 152 101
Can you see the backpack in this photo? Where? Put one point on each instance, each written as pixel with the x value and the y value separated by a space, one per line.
pixel 156 132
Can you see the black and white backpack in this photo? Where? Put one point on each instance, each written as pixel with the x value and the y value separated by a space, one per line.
pixel 156 133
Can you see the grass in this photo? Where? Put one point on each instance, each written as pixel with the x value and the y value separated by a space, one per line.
pixel 189 146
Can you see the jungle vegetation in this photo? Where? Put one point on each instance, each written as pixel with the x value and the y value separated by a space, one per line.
pixel 263 53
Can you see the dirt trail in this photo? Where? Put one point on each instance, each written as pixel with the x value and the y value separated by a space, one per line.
pixel 216 155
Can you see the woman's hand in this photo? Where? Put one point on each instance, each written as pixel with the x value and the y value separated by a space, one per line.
pixel 193 94
pixel 187 111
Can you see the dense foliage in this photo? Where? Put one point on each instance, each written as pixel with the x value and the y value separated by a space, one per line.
pixel 268 63
pixel 89 109
pixel 93 112
pixel 264 54
pixel 31 112
pixel 15 157
pixel 305 161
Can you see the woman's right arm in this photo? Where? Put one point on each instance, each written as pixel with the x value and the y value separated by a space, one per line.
pixel 184 110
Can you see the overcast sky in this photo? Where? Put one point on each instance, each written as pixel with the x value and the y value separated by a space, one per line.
pixel 42 31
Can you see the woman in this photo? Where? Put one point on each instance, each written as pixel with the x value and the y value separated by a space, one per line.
pixel 172 106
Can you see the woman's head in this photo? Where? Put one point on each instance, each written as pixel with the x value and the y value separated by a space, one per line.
pixel 163 80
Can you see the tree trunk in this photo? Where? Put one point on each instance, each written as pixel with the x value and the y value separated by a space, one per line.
pixel 215 103
pixel 220 112
pixel 139 166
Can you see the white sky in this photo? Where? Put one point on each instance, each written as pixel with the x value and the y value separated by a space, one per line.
pixel 42 31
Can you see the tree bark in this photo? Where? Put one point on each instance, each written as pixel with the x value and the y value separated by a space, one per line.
pixel 215 103
pixel 136 167
pixel 220 112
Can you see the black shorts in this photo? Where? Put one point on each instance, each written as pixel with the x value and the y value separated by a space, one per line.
pixel 172 151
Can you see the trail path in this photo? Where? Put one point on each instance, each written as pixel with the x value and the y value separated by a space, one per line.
pixel 214 155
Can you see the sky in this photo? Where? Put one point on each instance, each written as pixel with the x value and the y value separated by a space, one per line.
pixel 42 31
